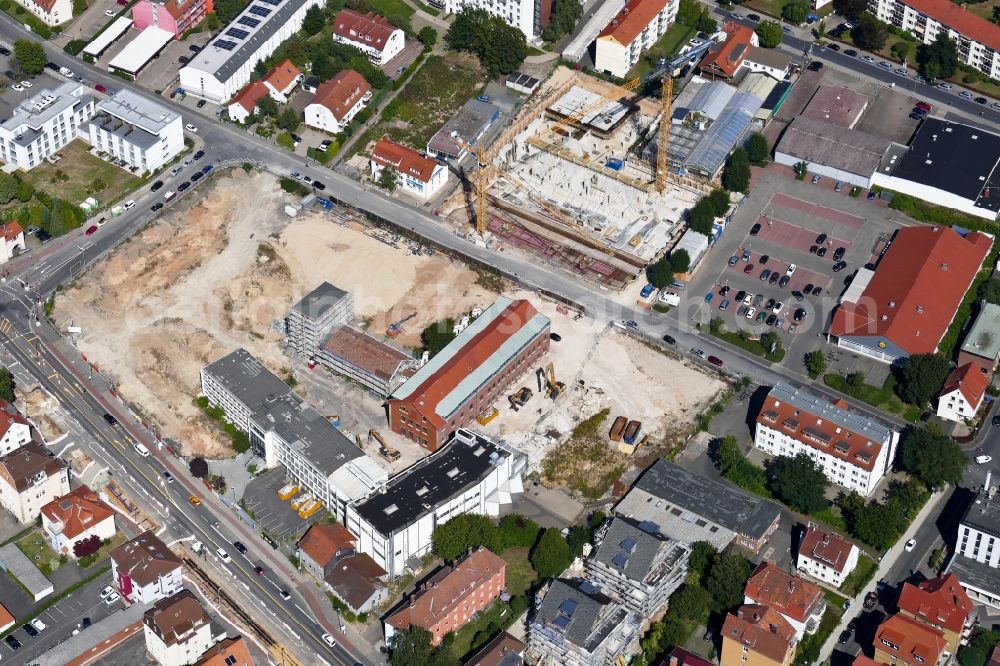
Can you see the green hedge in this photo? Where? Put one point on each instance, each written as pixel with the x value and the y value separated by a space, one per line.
pixel 75 46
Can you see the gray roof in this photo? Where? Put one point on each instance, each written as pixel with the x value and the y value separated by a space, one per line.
pixel 983 339
pixel 710 499
pixel 137 110
pixel 127 132
pixel 469 123
pixel 25 571
pixel 45 105
pixel 824 409
pixel 770 58
pixel 247 379
pixel 984 513
pixel 831 145
pixel 629 549
pixel 971 573
pixel 315 304
pixel 574 609
pixel 712 98
pixel 725 134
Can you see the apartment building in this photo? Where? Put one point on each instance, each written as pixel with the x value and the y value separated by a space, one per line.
pixel 30 478
pixel 853 450
pixel 633 31
pixel 15 431
pixel 757 636
pixel 45 122
pixel 337 101
pixel 174 16
pixel 941 604
pixel 144 134
pixel 977 556
pixel 312 318
pixel 177 630
pixel 641 569
pixel 228 652
pixel 450 598
pixel 414 173
pixel 370 33
pixel 227 62
pixel 528 16
pixel 12 241
pixel 826 556
pixel 575 624
pixel 144 570
pixel 77 516
pixel 469 474
pixel 800 602
pixel 902 641
pixel 51 12
pixel 978 40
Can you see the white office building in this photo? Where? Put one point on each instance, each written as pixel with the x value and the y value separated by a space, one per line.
pixel 853 451
pixel 45 122
pixel 977 551
pixel 144 134
pixel 469 474
pixel 525 15
pixel 226 63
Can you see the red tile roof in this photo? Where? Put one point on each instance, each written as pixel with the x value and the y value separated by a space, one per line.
pixel 907 640
pixel 793 597
pixel 78 511
pixel 916 289
pixel 365 351
pixel 961 21
pixel 9 416
pixel 282 75
pixel 681 657
pixel 369 29
pixel 403 159
pixel 322 542
pixel 727 57
pixel 942 601
pixel 46 5
pixel 176 619
pixel 970 380
pixel 761 630
pixel 12 230
pixel 251 93
pixel 632 20
pixel 220 653
pixel 827 547
pixel 6 619
pixel 342 92
pixel 995 657
pixel 862 660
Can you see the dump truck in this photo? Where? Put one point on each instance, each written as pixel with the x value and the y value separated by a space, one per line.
pixel 618 428
pixel 287 492
pixel 309 509
pixel 632 432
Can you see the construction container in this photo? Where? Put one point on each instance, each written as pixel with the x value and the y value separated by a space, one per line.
pixel 632 432
pixel 615 163
pixel 617 428
pixel 487 416
pixel 334 420
pixel 300 502
pixel 287 492
pixel 309 509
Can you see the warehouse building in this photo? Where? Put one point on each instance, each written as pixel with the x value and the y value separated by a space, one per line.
pixel 831 150
pixel 467 376
pixel 468 125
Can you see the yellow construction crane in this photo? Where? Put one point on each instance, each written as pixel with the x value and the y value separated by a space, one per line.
pixel 667 93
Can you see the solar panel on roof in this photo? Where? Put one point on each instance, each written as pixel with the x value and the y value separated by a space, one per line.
pixel 257 10
pixel 273 3
pixel 249 21
pixel 226 44
pixel 237 33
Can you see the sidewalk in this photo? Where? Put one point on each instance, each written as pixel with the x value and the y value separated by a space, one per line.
pixel 857 605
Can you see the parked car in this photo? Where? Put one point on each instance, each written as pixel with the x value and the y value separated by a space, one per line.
pixel 183 186
pixel 910 545
pixel 751 312
pixel 778 307
pixel 733 260
pixel 821 251
pixel 157 185
pixel 632 325
pixel 839 266
pixel 716 361
pixel 13 643
pixel 982 460
pixel 996 421
pixel 800 314
pixel 157 206
pixel 725 290
pixel 746 255
pixel 555 337
pixel 318 185
pixel 770 320
pixel 816 178
pixel 196 176
pixel 965 94
pixel 783 282
pixel 191 128
pixel 851 53
pixel 38 624
pixel 30 630
pixel 697 352
pixel 765 274
pixel 91 230
pixel 709 296
pixel 669 339
pixel 198 155
pixel 724 304
pixel 748 269
pixel 755 229
pixel 817 290
pixel 838 254
pixel 845 636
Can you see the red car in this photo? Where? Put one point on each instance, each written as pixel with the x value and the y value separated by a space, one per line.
pixel 90 231
pixel 101 89
pixel 716 361
pixel 749 269
pixel 924 106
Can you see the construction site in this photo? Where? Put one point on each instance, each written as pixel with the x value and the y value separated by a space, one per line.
pixel 565 181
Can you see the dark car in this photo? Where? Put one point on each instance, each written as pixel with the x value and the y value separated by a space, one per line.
pixel 318 185
pixel 770 304
pixel 852 625
pixel 765 275
pixel 196 176
pixel 285 595
pixel 51 65
pixel 757 300
pixel 716 361
pixel 813 249
pixel 808 289
pixel 851 52
pixel 4 51
pixel 817 290
pixel 764 258
pixel 201 103
pixel 112 421
pixel 797 295
pixel 200 154
pixel 157 185
pixel 240 547
pixel 833 47
pixel 838 254
pixel 753 17
pixel 183 186
pixel 774 278
pixel 43 237
pixel 783 282
pixel 740 295
pixel 725 290
pixel 800 314
pixel 815 66
pixel 168 477
pixel 821 252
pixel 980 100
pixel 996 421
pixel 207 168
pixel 770 320
pixel 13 643
pixel 296 138
pixel 754 230
pixel 30 630
pixel 555 337
pixel 194 48
pixel 845 636
pixel 820 239
pixel 871 196
pixel 259 570
pixel 669 339
pixel 748 269
pixel 157 206
pixel 839 266
pixel 870 600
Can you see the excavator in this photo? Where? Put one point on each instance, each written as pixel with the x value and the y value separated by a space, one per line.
pixel 519 397
pixel 396 327
pixel 384 450
pixel 555 388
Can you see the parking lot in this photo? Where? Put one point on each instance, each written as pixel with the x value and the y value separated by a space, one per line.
pixel 273 515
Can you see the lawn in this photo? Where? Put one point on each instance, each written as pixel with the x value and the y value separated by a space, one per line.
pixel 79 175
pixel 668 45
pixel 37 549
pixel 495 615
pixel 520 575
pixel 397 11
pixel 862 574
pixel 883 398
pixel 983 9
pixel 770 7
pixel 432 96
pixel 102 554
pixel 752 346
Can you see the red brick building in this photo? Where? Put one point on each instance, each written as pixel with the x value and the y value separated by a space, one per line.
pixel 448 600
pixel 468 375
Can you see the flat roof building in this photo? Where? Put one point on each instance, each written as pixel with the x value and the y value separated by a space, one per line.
pixel 981 346
pixel 838 105
pixel 831 150
pixel 470 373
pixel 376 365
pixel 604 119
pixel 635 29
pixel 142 133
pixel 469 124
pixel 44 123
pixel 311 319
pixel 137 53
pixel 977 547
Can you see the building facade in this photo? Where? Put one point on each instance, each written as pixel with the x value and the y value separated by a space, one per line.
pixel 465 378
pixel 963 393
pixel 281 80
pixel 144 134
pixel 528 16
pixel 415 174
pixel 44 123
pixel 177 630
pixel 632 32
pixel 337 101
pixel 470 474
pixel 901 641
pixel 30 478
pixel 451 598
pixel 941 604
pixel 51 12
pixel 15 431
pixel 321 546
pixel 757 636
pixel 800 602
pixel 75 517
pixel 312 318
pixel 826 556
pixel 370 33
pixel 175 16
pixel 852 450
pixel 13 241
pixel 981 346
pixel 978 40
pixel 144 570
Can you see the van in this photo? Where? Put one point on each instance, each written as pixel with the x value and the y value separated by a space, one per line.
pixel 141 450
pixel 223 555
pixel 169 196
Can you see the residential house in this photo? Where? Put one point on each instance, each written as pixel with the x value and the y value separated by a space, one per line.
pixel 963 393
pixel 358 581
pixel 75 517
pixel 757 636
pixel 337 101
pixel 144 570
pixel 826 556
pixel 902 641
pixel 42 124
pixel 726 59
pixel 51 12
pixel 450 598
pixel 370 33
pixel 681 657
pixel 772 62
pixel 13 241
pixel 800 602
pixel 243 105
pixel 641 569
pixel 503 650
pixel 174 16
pixel 177 630
pixel 229 652
pixel 30 478
pixel 981 346
pixel 15 431
pixel 413 173
pixel 281 80
pixel 942 604
pixel 632 31
pixel 575 624
pixel 322 545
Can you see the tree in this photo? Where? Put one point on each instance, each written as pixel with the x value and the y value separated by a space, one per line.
pixel 412 647
pixel 902 50
pixel 796 11
pixel 990 291
pixel 757 148
pixel 816 363
pixel 922 377
pixel 455 537
pixel 770 342
pixel 565 14
pixel 691 602
pixel 516 531
pixel 706 23
pixel 660 273
pixel 7 385
pixel 769 34
pixel 323 67
pixel 88 546
pixel 719 199
pixel 726 453
pixel 932 456
pixel 551 555
pixel 800 483
pixel 856 380
pixel 680 261
pixel 289 120
pixel 736 174
pixel 701 216
pixel 501 47
pixel 428 36
pixel 688 12
pixel 463 33
pixel 715 325
pixel 387 179
pixel 869 33
pixel 725 581
pixel 314 20
pixel 702 555
pixel 942 52
pixel 266 106
pixel 30 56
pixel 198 468
pixel 852 10
pixel 437 335
pixel 9 185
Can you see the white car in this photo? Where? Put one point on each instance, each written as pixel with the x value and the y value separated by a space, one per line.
pixel 18 87
pixel 778 307
pixel 109 12
pixel 26 84
pixel 982 460
pixel 751 312
pixel 107 591
pixel 38 624
pixel 191 128
pixel 328 639
pixel 224 556
pixel 791 269
pixel 748 299
pixel 130 204
pixel 112 598
pixel 910 545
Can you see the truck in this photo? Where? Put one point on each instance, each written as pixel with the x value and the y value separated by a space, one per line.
pixel 618 428
pixel 117 210
pixel 632 431
pixel 169 196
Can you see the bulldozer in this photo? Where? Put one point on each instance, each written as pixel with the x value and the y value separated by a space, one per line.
pixel 384 450
pixel 553 387
pixel 520 397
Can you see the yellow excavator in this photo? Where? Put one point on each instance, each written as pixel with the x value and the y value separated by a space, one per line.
pixel 554 387
pixel 384 450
